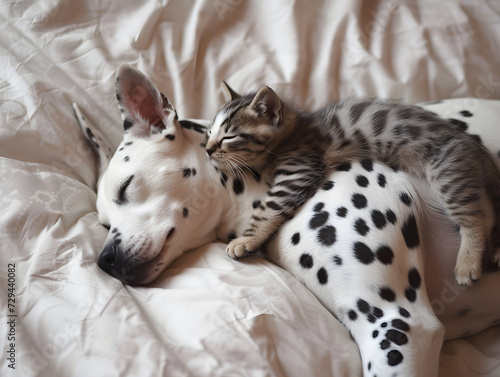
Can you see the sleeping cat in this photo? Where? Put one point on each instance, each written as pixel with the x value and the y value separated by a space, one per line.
pixel 263 135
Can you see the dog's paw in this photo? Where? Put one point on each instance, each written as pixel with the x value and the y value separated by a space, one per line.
pixel 468 272
pixel 242 247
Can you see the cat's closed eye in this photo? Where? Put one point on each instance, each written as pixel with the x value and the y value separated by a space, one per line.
pixel 227 138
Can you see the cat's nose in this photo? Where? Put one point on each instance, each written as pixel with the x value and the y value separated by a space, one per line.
pixel 210 150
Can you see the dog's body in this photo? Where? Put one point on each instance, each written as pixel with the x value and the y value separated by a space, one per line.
pixel 385 268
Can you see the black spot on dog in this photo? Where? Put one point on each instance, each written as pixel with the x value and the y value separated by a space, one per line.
pixel 363 306
pixel 238 186
pixel 128 143
pixel 185 212
pixel 127 123
pixel 306 261
pixel 394 358
pixel 322 276
pixel 378 219
pixel 411 294
pixel 381 180
pixel 318 207
pixel 405 198
pixel 223 179
pixel 193 126
pixel 296 238
pixel 371 318
pixel 384 344
pixel 404 313
pixel 359 201
pixel 383 324
pixel 367 165
pixel 363 253
pixel 352 315
pixel 344 167
pixel 391 216
pixel 414 278
pixel 256 204
pixel 319 219
pixel 186 172
pixel 327 235
pixel 377 312
pixel 328 185
pixel 170 137
pixel 410 232
pixel 374 334
pixel 126 159
pixel 362 181
pixel 337 260
pixel 387 294
pixel 361 227
pixel 341 212
pixel 400 325
pixel 396 337
pixel 385 254
pixel 466 113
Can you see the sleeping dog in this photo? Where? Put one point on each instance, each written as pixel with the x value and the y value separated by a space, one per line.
pixel 383 268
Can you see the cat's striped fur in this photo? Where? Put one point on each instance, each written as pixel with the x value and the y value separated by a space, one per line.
pixel 298 150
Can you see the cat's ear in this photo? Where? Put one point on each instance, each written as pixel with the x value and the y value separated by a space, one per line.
pixel 267 104
pixel 229 93
pixel 141 103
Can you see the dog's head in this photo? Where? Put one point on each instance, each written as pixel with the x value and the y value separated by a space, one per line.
pixel 154 194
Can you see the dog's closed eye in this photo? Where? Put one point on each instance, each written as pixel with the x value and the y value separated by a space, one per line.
pixel 122 199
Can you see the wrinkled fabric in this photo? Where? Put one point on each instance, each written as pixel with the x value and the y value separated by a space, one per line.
pixel 206 315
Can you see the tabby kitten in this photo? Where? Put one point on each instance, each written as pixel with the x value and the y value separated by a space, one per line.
pixel 298 150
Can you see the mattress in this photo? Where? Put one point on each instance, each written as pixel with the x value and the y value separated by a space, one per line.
pixel 206 315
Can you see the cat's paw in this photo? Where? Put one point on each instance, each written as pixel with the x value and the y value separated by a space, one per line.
pixel 467 272
pixel 242 247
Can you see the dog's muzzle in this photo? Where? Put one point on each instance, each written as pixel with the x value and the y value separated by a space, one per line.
pixel 112 262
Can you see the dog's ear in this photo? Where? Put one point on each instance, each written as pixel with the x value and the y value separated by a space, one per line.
pixel 100 145
pixel 144 109
pixel 229 93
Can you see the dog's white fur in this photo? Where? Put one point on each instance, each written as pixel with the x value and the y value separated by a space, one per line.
pixel 159 196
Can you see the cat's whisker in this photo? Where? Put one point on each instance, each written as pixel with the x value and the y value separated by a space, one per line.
pixel 243 164
pixel 271 152
pixel 234 167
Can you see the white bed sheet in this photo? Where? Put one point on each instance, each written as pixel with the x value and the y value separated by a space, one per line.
pixel 205 316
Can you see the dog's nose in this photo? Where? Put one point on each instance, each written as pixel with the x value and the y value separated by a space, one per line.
pixel 107 259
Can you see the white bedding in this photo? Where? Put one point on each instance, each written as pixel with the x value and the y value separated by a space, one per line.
pixel 207 315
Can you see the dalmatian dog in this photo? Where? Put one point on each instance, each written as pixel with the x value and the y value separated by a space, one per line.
pixel 372 244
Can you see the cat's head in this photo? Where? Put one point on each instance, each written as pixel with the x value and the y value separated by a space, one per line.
pixel 244 129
